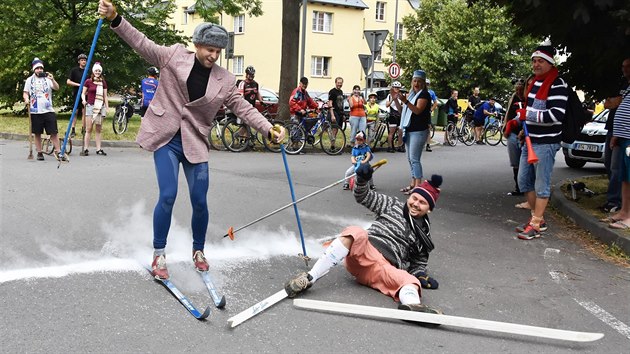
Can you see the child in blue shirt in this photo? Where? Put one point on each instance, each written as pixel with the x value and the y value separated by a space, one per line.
pixel 361 154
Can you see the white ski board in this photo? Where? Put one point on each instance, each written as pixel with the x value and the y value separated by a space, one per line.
pixel 256 309
pixel 454 321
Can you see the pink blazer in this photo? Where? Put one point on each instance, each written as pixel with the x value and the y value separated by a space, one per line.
pixel 171 109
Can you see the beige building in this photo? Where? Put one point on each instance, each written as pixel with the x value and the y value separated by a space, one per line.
pixel 334 39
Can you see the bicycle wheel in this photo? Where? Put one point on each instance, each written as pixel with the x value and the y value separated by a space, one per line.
pixel 332 139
pixel 468 137
pixel 273 147
pixel 296 139
pixel 451 134
pixel 235 136
pixel 492 135
pixel 47 146
pixel 119 123
pixel 68 145
pixel 216 132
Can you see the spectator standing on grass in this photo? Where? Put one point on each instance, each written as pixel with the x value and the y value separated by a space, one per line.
pixel 621 142
pixel 74 80
pixel 613 155
pixel 94 97
pixel 38 97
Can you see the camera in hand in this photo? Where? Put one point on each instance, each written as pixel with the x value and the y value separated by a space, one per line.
pixel 42 74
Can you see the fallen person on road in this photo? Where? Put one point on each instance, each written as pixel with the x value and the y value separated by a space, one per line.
pixel 391 255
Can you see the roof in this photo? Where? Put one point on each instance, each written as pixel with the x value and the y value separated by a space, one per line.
pixel 357 4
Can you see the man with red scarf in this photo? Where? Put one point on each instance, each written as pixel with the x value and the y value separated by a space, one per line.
pixel 546 97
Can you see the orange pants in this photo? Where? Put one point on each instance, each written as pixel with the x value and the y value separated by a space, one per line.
pixel 370 268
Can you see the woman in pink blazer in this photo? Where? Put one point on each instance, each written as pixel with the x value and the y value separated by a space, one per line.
pixel 176 125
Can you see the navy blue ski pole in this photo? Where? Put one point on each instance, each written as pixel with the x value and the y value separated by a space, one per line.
pixel 78 98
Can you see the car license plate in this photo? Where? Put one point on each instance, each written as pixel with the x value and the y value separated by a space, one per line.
pixel 586 147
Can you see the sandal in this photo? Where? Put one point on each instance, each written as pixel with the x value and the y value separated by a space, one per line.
pixel 407 189
pixel 523 205
pixel 609 220
pixel 619 225
pixel 101 152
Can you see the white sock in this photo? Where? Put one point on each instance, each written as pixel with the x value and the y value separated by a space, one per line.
pixel 158 252
pixel 334 254
pixel 408 294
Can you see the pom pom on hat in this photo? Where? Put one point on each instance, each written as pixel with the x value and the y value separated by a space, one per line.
pixel 97 66
pixel 211 35
pixel 37 63
pixel 430 190
pixel 546 51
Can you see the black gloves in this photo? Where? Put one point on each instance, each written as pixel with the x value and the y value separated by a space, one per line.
pixel 364 172
pixel 427 282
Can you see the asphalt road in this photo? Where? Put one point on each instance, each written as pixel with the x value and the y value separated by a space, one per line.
pixel 75 241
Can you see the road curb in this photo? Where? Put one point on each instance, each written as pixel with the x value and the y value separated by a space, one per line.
pixel 104 143
pixel 588 222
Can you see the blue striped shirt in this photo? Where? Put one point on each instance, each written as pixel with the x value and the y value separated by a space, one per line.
pixel 621 124
pixel 544 117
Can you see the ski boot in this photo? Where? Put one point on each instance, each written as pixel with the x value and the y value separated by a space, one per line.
pixel 158 267
pixel 200 261
pixel 298 284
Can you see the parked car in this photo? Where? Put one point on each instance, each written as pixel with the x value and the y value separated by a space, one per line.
pixel 589 145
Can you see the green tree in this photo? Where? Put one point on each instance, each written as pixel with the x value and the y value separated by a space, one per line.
pixel 57 31
pixel 461 47
pixel 596 33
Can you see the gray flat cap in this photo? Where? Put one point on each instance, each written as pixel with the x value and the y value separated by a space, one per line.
pixel 210 34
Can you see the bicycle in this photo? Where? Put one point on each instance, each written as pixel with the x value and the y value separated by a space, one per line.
pixel 124 111
pixel 493 131
pixel 48 147
pixel 314 128
pixel 238 136
pixel 216 133
pixel 460 131
pixel 380 130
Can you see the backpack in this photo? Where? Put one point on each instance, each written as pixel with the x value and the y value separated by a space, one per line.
pixel 574 118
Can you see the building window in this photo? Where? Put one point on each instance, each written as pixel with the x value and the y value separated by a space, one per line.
pixel 399 31
pixel 322 22
pixel 319 66
pixel 380 11
pixel 239 63
pixel 184 15
pixel 239 24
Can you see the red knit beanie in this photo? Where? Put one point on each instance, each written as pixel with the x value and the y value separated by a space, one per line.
pixel 430 190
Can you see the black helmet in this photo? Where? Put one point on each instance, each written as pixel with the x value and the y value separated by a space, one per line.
pixel 82 56
pixel 250 70
pixel 153 71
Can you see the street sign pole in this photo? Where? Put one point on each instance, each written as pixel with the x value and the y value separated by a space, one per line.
pixel 395 33
pixel 375 43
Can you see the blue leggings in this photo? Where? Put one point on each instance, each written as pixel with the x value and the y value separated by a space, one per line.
pixel 167 160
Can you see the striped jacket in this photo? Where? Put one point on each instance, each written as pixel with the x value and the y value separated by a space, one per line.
pixel 391 234
pixel 544 117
